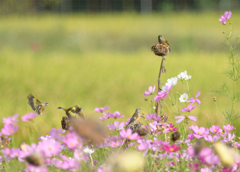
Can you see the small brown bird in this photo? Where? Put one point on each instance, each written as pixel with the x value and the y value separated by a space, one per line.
pixel 163 41
pixel 161 49
pixel 36 104
pixel 136 116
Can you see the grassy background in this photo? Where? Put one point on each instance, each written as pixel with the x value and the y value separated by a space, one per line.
pixel 105 59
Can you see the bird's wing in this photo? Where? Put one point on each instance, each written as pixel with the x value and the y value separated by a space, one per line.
pixel 33 102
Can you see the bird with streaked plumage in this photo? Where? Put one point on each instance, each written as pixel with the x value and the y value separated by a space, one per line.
pixel 36 104
pixel 136 116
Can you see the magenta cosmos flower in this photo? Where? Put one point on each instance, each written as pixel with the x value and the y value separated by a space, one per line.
pixel 171 149
pixel 29 116
pixel 160 96
pixel 10 119
pixel 180 118
pixel 128 134
pixel 188 109
pixel 150 90
pixel 101 109
pixel 9 129
pixel 116 126
pixel 225 17
pixel 192 100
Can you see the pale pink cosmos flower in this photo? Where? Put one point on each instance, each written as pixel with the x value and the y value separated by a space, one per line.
pixel 128 134
pixel 153 116
pixel 11 119
pixel 72 140
pixel 228 127
pixel 150 90
pixel 7 152
pixel 227 15
pixel 188 109
pixel 116 126
pixel 200 131
pixel 101 109
pixel 215 129
pixel 9 129
pixel 194 166
pixel 229 139
pixel 56 134
pixel 181 118
pixel 116 143
pixel 144 144
pixel 192 100
pixel 115 115
pixel 80 155
pixel 104 117
pixel 29 116
pixel 211 139
pixel 49 147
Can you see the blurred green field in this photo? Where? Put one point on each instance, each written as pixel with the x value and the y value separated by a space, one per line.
pixel 96 60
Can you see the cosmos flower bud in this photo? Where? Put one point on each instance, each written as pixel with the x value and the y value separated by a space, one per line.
pixel 214 99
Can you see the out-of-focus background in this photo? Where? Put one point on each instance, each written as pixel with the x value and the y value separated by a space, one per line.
pixel 97 52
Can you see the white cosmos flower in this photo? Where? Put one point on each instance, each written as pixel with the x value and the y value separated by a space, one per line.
pixel 87 150
pixel 183 97
pixel 172 81
pixel 182 75
pixel 188 77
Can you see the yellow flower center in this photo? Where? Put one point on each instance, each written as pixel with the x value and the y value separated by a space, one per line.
pixel 128 136
pixel 171 149
pixel 214 131
pixel 184 98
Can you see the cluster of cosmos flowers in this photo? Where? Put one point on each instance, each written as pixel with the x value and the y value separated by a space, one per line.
pixel 164 145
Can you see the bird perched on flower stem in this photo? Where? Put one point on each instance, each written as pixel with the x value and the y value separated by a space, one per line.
pixel 136 116
pixel 36 104
pixel 72 111
pixel 161 49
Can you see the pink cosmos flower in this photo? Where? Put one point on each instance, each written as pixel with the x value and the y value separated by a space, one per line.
pixel 191 136
pixel 171 148
pixel 180 118
pixel 228 127
pixel 104 117
pixel 150 90
pixel 214 129
pixel 72 140
pixel 49 147
pixel 116 126
pixel 200 131
pixel 116 143
pixel 222 133
pixel 188 109
pixel 10 119
pixel 56 134
pixel 80 155
pixel 101 109
pixel 9 129
pixel 194 166
pixel 225 17
pixel 211 139
pixel 153 116
pixel 212 160
pixel 192 100
pixel 128 134
pixel 7 152
pixel 115 115
pixel 160 96
pixel 144 144
pixel 229 139
pixel 29 116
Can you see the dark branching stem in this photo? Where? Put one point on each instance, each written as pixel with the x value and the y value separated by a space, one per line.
pixel 162 70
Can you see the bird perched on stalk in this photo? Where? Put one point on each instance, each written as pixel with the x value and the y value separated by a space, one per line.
pixel 161 49
pixel 72 111
pixel 136 116
pixel 36 104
